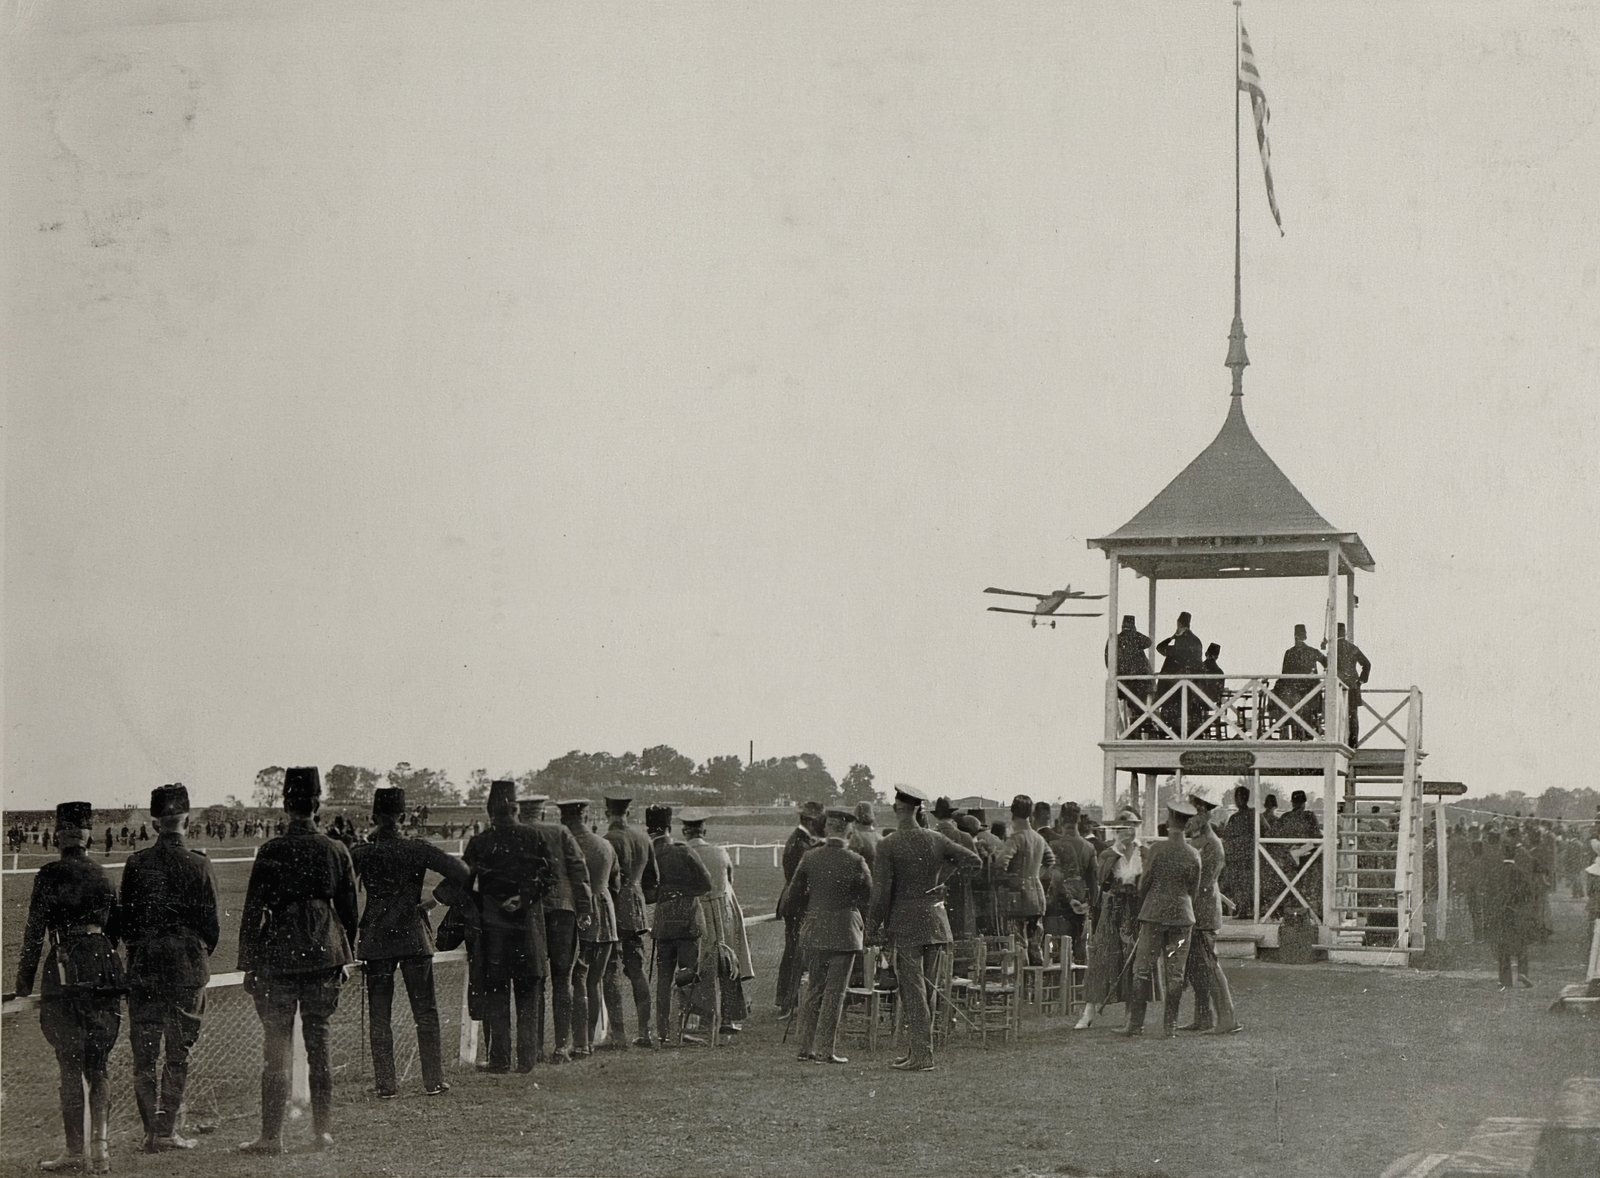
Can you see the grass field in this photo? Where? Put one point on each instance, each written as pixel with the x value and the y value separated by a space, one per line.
pixel 1339 1071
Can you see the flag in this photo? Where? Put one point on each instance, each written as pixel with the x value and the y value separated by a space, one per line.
pixel 1250 83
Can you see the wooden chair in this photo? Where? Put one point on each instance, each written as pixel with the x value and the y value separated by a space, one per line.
pixel 869 1009
pixel 1042 985
pixel 999 978
pixel 1077 974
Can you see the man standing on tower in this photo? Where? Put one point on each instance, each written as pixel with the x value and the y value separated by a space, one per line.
pixel 1184 656
pixel 170 925
pixel 1354 669
pixel 1300 659
pixel 636 861
pixel 294 943
pixel 395 932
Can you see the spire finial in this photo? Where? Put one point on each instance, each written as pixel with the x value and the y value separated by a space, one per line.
pixel 1236 354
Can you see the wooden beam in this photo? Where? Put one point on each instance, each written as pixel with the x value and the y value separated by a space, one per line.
pixel 1108 782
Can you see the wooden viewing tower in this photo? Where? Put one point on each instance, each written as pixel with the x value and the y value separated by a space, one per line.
pixel 1232 514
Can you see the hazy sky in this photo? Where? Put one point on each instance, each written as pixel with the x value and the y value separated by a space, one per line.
pixel 465 384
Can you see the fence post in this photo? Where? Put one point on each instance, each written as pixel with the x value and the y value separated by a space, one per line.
pixel 300 1072
pixel 736 855
pixel 467 1051
pixel 776 862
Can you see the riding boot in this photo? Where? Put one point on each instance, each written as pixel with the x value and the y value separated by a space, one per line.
pixel 99 1126
pixel 274 1094
pixel 1169 1018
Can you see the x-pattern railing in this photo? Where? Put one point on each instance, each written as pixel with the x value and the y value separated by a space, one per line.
pixel 1290 886
pixel 1385 721
pixel 1182 707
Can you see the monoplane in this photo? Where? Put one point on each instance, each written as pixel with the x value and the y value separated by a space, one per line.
pixel 1048 604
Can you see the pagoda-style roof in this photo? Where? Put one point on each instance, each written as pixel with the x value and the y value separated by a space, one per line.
pixel 1232 513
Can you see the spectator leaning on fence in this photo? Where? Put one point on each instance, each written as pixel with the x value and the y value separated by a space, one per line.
pixel 294 942
pixel 80 1000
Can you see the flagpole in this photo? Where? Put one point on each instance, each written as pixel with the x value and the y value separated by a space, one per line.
pixel 1236 354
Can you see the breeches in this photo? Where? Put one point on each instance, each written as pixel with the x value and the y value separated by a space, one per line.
pixel 169 1016
pixel 1171 942
pixel 82 1031
pixel 791 964
pixel 316 997
pixel 587 977
pixel 628 957
pixel 418 974
pixel 671 955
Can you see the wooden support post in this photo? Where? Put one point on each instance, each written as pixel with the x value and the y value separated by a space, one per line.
pixel 1330 847
pixel 1108 784
pixel 467 1048
pixel 1255 849
pixel 1442 847
pixel 1331 729
pixel 1350 603
pixel 1152 810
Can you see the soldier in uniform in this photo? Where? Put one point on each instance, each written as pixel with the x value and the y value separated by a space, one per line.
pixel 1023 860
pixel 566 912
pixel 170 926
pixel 833 885
pixel 1167 891
pixel 1075 890
pixel 510 877
pixel 80 999
pixel 681 879
pixel 1300 659
pixel 908 906
pixel 1204 971
pixel 598 939
pixel 961 903
pixel 294 942
pixel 636 862
pixel 395 931
pixel 801 839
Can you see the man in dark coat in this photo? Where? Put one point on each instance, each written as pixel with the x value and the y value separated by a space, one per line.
pixel 1354 669
pixel 681 880
pixel 832 886
pixel 170 925
pixel 294 942
pixel 566 908
pixel 1203 971
pixel 1183 655
pixel 636 862
pixel 1167 891
pixel 80 999
pixel 960 903
pixel 598 937
pixel 394 931
pixel 1213 685
pixel 806 834
pixel 511 875
pixel 1508 914
pixel 1132 660
pixel 1239 841
pixel 1075 885
pixel 1300 659
pixel 907 907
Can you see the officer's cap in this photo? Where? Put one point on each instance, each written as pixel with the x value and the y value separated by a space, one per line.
pixel 616 805
pixel 389 800
pixel 166 800
pixel 911 795
pixel 694 818
pixel 528 808
pixel 572 806
pixel 76 814
pixel 1181 808
pixel 837 813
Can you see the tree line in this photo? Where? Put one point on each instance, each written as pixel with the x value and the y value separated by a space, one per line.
pixel 659 773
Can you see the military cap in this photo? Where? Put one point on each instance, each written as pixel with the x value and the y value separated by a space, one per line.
pixel 166 800
pixel 502 795
pixel 528 808
pixel 573 806
pixel 811 809
pixel 389 800
pixel 617 805
pixel 78 814
pixel 302 784
pixel 1201 797
pixel 837 813
pixel 942 808
pixel 864 813
pixel 658 817
pixel 910 794
pixel 1180 807
pixel 1022 806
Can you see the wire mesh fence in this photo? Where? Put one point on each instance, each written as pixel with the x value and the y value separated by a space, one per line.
pixel 225 1064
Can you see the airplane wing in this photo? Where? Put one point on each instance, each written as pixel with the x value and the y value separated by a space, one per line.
pixel 1016 593
pixel 1081 596
pixel 1028 613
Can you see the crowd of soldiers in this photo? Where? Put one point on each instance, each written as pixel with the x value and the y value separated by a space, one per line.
pixel 558 908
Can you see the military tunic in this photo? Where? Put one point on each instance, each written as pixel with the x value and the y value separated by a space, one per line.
pixel 681 880
pixel 834 885
pixel 171 928
pixel 510 877
pixel 636 862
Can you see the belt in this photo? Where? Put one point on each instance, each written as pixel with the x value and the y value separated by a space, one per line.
pixel 82 930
